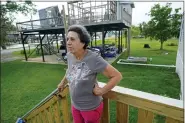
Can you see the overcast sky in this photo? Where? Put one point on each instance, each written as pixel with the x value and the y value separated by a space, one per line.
pixel 138 15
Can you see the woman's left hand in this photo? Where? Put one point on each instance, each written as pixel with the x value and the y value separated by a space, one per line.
pixel 97 90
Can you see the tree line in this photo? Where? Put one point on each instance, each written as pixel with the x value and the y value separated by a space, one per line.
pixel 8 11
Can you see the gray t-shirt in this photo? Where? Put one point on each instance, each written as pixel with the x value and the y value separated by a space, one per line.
pixel 82 76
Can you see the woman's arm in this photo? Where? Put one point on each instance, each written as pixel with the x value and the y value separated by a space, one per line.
pixel 62 83
pixel 114 78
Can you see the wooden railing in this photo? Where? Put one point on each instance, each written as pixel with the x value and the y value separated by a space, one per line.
pixel 54 110
pixel 147 105
pixel 57 110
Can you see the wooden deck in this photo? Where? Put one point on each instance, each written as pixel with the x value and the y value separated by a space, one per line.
pixel 57 108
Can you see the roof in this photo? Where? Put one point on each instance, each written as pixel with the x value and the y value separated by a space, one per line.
pixel 131 3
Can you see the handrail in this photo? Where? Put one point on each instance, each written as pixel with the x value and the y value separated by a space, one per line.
pixel 55 92
pixel 147 103
pixel 38 20
pixel 166 106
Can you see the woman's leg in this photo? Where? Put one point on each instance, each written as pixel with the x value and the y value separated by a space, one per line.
pixel 77 117
pixel 94 115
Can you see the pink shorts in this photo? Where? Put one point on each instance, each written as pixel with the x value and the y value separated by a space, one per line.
pixel 92 116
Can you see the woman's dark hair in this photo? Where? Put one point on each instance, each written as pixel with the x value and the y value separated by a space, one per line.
pixel 82 32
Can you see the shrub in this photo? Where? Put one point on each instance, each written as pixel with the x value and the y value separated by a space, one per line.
pixel 172 44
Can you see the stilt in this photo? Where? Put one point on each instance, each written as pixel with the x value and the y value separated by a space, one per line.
pixel 23 39
pixel 41 46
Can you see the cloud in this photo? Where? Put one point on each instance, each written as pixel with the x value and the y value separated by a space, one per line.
pixel 141 8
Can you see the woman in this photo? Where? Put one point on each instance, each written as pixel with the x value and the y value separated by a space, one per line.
pixel 83 66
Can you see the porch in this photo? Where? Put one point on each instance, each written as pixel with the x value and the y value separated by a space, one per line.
pixel 56 107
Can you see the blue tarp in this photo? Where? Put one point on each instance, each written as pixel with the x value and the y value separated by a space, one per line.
pixel 19 120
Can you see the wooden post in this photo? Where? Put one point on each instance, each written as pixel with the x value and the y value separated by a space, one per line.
pixel 49 45
pixel 65 109
pixel 103 42
pixel 122 113
pixel 57 42
pixel 108 9
pixel 56 112
pixel 129 37
pixel 126 38
pixel 41 48
pixel 119 42
pixel 145 116
pixel 65 25
pixel 64 19
pixel 23 39
pixel 106 114
pixel 95 39
pixel 115 37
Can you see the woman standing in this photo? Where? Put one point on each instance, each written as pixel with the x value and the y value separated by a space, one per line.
pixel 83 67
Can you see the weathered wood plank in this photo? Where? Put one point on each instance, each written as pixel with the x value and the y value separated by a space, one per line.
pixel 56 112
pixel 43 116
pixel 106 114
pixel 32 114
pixel 34 120
pixel 145 116
pixel 49 115
pixel 122 113
pixel 28 121
pixel 44 106
pixel 170 120
pixel 65 109
pixel 39 120
pixel 48 103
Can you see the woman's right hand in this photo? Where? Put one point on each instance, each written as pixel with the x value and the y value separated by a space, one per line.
pixel 60 87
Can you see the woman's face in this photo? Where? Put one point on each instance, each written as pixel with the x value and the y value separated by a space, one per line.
pixel 73 42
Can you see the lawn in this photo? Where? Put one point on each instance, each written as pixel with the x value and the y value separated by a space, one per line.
pixel 30 53
pixel 25 84
pixel 158 56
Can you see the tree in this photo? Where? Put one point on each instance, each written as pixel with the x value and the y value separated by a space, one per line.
pixel 175 23
pixel 8 10
pixel 158 27
pixel 141 29
pixel 163 25
pixel 135 30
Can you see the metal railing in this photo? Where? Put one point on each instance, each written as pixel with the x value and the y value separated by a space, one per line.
pixel 40 24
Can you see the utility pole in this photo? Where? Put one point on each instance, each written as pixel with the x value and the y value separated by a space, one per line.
pixel 64 19
pixel 65 26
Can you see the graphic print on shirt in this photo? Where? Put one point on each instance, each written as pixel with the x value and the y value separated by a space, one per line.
pixel 78 72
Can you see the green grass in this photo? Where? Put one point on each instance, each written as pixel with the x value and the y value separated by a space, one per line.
pixel 158 56
pixel 156 80
pixel 31 53
pixel 26 84
pixel 160 81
